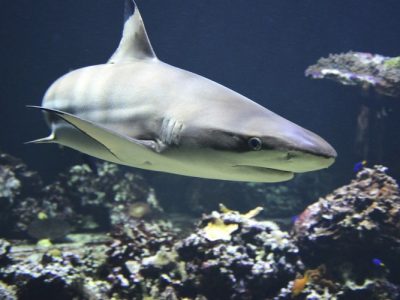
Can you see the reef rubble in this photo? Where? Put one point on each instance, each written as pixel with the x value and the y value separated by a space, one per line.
pixel 80 199
pixel 344 246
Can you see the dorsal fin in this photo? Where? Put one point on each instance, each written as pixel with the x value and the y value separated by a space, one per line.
pixel 135 44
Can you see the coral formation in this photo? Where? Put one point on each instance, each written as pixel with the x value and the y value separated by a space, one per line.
pixel 345 246
pixel 352 229
pixel 141 253
pixel 80 199
pixel 258 260
pixel 108 194
pixel 19 188
pixel 362 69
pixel 37 273
pixel 362 217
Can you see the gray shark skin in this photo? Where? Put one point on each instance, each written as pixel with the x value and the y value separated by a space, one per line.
pixel 138 111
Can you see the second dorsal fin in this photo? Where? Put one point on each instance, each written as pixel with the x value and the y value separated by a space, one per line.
pixel 135 44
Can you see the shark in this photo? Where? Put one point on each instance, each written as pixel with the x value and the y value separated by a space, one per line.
pixel 138 111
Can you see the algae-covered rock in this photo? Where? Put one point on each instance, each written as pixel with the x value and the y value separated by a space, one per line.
pixel 255 263
pixel 140 257
pixel 357 224
pixel 7 292
pixel 366 70
pixel 69 271
pixel 81 199
pixel 111 194
pixel 19 187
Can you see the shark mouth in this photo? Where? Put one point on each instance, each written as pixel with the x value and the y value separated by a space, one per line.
pixel 274 175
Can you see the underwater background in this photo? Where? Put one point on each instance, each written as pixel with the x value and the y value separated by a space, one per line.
pixel 260 49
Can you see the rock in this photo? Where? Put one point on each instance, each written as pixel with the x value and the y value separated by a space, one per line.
pixel 18 185
pixel 257 261
pixel 112 195
pixel 7 293
pixel 362 69
pixel 140 256
pixel 354 225
pixel 37 273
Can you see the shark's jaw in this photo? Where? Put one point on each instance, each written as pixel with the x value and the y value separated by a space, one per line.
pixel 279 171
pixel 260 174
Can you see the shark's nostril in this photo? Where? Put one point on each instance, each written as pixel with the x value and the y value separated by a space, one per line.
pixel 290 155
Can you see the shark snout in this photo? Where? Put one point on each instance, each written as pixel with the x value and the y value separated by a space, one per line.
pixel 296 150
pixel 309 142
pixel 306 151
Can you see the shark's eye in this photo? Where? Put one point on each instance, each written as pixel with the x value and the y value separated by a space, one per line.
pixel 255 143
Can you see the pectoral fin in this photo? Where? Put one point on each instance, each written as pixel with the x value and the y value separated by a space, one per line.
pixel 126 149
pixel 46 140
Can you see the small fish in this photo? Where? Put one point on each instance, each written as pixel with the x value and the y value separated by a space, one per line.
pixel 294 219
pixel 378 262
pixel 359 166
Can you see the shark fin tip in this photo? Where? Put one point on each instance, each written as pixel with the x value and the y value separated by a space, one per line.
pixel 46 140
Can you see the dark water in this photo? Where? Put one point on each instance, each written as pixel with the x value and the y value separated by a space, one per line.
pixel 258 48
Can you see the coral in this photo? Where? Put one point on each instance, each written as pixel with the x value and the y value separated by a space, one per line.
pixel 257 261
pixel 36 274
pixel 313 280
pixel 363 69
pixel 218 230
pixel 353 226
pixel 148 259
pixel 6 292
pixel 392 62
pixel 376 289
pixel 110 194
pixel 140 253
pixel 18 188
pixel 354 231
pixel 79 199
pixel 16 179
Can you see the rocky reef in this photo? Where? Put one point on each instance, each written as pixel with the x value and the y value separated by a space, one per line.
pixel 81 199
pixel 355 232
pixel 65 271
pixel 344 246
pixel 366 70
pixel 233 256
pixel 20 190
pixel 229 256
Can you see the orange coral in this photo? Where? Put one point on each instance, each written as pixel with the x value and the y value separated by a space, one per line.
pixel 314 275
pixel 299 284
